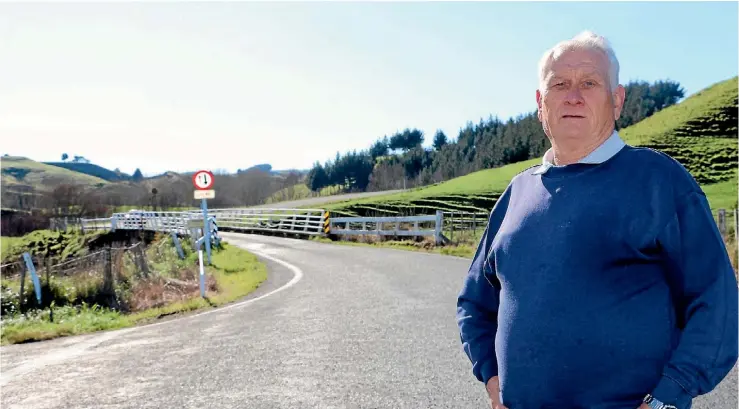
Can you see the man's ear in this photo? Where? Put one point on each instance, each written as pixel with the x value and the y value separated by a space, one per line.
pixel 619 97
pixel 538 104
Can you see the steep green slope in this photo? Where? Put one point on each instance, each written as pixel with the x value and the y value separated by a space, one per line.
pixel 23 172
pixel 92 170
pixel 700 132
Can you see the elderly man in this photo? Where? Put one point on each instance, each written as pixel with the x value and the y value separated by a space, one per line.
pixel 601 280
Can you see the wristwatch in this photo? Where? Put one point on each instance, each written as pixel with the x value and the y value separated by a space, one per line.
pixel 654 403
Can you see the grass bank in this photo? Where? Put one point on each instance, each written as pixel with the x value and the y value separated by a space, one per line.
pixel 234 273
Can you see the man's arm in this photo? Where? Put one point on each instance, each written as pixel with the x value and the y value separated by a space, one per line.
pixel 705 291
pixel 477 304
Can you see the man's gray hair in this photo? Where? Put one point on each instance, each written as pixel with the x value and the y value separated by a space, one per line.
pixel 586 40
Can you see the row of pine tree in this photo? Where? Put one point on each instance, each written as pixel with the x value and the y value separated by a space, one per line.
pixel 402 160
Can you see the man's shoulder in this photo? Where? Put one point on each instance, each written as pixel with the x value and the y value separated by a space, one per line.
pixel 659 170
pixel 529 171
pixel 645 154
pixel 657 162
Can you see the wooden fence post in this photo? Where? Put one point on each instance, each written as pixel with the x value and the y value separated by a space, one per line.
pixel 722 221
pixel 108 273
pixel 142 259
pixel 451 223
pixel 48 285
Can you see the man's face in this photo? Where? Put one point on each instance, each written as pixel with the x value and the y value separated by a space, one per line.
pixel 576 102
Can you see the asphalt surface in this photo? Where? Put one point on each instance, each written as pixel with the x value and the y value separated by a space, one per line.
pixel 319 201
pixel 333 327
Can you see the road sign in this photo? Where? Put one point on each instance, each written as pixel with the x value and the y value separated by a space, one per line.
pixel 203 180
pixel 205 194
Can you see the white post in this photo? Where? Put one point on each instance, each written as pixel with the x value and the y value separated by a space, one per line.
pixel 439 225
pixel 202 273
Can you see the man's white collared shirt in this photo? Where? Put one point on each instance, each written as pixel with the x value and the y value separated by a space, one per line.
pixel 602 153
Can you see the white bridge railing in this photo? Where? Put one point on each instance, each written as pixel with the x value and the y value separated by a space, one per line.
pixel 298 221
pixel 177 222
pixel 390 226
pixel 311 222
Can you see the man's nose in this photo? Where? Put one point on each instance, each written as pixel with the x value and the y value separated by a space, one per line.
pixel 574 96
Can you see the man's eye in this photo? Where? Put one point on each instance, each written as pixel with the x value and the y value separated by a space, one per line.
pixel 589 83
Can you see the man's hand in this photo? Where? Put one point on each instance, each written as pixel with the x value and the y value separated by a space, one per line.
pixel 493 388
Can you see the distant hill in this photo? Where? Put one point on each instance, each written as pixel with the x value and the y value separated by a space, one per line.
pixel 700 132
pixel 19 171
pixel 93 170
pixel 265 167
pixel 25 180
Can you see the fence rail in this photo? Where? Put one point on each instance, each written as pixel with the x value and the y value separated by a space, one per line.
pixel 298 221
pixel 294 221
pixel 400 226
pixel 316 222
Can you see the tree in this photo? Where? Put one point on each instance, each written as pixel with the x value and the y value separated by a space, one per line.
pixel 317 178
pixel 137 175
pixel 666 93
pixel 415 161
pixel 406 140
pixel 644 100
pixel 379 148
pixel 440 140
pixel 64 157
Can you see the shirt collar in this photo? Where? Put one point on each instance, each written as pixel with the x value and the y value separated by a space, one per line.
pixel 602 153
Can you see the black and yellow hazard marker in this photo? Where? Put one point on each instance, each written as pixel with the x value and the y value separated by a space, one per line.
pixel 326 223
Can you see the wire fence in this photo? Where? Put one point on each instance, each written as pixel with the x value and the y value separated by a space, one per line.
pixel 129 278
pixel 463 227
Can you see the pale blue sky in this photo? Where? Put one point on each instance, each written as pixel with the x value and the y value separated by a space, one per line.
pixel 183 86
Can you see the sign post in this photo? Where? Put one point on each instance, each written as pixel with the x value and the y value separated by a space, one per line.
pixel 203 181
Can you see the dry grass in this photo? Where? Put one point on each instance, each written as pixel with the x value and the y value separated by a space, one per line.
pixel 233 274
pixel 157 292
pixel 733 250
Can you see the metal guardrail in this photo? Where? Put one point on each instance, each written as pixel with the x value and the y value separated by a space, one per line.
pixel 295 221
pixel 399 226
pixel 298 221
pixel 311 222
pixel 317 222
pixel 177 222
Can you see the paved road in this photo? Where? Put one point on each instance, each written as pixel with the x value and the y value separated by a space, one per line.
pixel 320 201
pixel 349 327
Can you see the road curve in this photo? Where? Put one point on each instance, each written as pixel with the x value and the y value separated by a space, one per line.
pixel 324 200
pixel 333 327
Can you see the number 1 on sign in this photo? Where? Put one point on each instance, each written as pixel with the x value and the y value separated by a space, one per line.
pixel 202 180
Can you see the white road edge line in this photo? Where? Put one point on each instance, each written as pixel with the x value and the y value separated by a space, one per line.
pixel 80 348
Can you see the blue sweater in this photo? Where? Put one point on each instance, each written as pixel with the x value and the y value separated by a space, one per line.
pixel 595 284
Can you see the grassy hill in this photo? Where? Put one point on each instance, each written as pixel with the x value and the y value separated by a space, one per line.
pixel 301 191
pixel 20 172
pixel 700 132
pixel 92 170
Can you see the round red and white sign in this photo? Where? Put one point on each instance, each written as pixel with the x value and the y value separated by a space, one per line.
pixel 202 179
